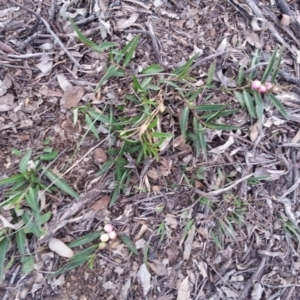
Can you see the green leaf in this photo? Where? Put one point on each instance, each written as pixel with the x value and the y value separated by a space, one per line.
pixel 129 49
pixel 249 104
pixel 270 66
pixel 49 156
pixel 13 179
pixel 221 126
pixel 277 65
pixel 153 69
pixel 105 167
pixel 145 83
pixel 20 239
pixel 91 125
pixel 136 85
pixel 60 183
pixel 186 230
pixel 200 142
pixel 27 264
pixel 184 121
pixel 85 239
pixel 32 226
pixel 98 116
pixel 24 161
pixel 182 71
pixel 3 251
pixel 117 189
pixel 209 107
pixel 278 105
pixel 45 217
pixel 259 105
pixel 128 242
pixel 211 72
pixel 112 71
pixel 253 63
pixel 241 76
pixel 215 115
pixel 14 199
pixel 239 97
pixel 31 199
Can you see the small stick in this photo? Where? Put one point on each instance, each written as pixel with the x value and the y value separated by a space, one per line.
pixel 56 38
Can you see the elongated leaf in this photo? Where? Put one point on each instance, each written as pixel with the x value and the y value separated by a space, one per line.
pixel 105 167
pixel 27 264
pixel 32 226
pixel 3 251
pixel 253 63
pixel 215 115
pixel 49 156
pixel 131 46
pixel 221 114
pixel 186 230
pixel 249 104
pixel 24 161
pixel 182 71
pixel 221 126
pixel 91 125
pixel 239 97
pixel 14 199
pixel 277 65
pixel 211 73
pixel 13 179
pixel 209 107
pixel 128 242
pixel 31 199
pixel 184 121
pixel 136 85
pixel 153 69
pixel 145 83
pixel 112 71
pixel 98 116
pixel 270 66
pixel 278 105
pixel 85 239
pixel 20 239
pixel 60 183
pixel 241 76
pixel 200 138
pixel 118 188
pixel 259 105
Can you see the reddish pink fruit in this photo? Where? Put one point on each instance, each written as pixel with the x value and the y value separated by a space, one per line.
pixel 112 235
pixel 262 89
pixel 256 84
pixel 268 85
pixel 108 228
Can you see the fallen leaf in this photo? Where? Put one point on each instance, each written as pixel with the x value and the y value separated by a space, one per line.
pixel 60 248
pixel 152 173
pixel 71 97
pixel 102 203
pixel 188 243
pixel 7 102
pixel 125 289
pixel 254 131
pixel 158 267
pixel 145 279
pixel 171 221
pixel 63 82
pixel 100 156
pixel 229 292
pixel 223 45
pixel 123 23
pixel 222 148
pixel 257 291
pixel 184 290
pixel 253 40
pixel 46 63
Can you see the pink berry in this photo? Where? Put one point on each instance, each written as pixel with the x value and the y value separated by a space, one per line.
pixel 112 235
pixel 262 89
pixel 256 84
pixel 104 237
pixel 108 228
pixel 268 85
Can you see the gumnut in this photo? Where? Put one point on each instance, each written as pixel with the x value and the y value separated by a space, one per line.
pixel 268 85
pixel 108 228
pixel 262 89
pixel 112 235
pixel 104 237
pixel 256 84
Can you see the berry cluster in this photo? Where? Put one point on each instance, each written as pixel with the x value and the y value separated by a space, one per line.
pixel 262 88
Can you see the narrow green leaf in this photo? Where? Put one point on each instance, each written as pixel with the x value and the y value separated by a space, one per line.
pixel 209 107
pixel 3 251
pixel 186 230
pixel 184 121
pixel 136 85
pixel 60 183
pixel 221 126
pixel 128 242
pixel 13 179
pixel 14 199
pixel 105 167
pixel 211 72
pixel 279 106
pixel 146 82
pixel 49 156
pixel 31 225
pixel 85 239
pixel 215 115
pixel 131 48
pixel 153 69
pixel 31 199
pixel 98 116
pixel 117 189
pixel 86 252
pixel 182 71
pixel 200 142
pixel 277 65
pixel 24 161
pixel 45 217
pixel 91 125
pixel 112 71
pixel 27 264
pixel 239 97
pixel 241 76
pixel 253 63
pixel 249 104
pixel 20 239
pixel 259 105
pixel 270 66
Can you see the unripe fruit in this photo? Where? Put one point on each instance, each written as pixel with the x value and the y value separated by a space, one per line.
pixel 108 228
pixel 256 84
pixel 104 237
pixel 112 235
pixel 102 246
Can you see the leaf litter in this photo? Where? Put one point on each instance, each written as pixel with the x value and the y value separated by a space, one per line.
pixel 214 206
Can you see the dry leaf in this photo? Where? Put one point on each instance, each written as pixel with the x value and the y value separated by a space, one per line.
pixel 63 82
pixel 254 131
pixel 152 173
pixel 223 45
pixel 229 293
pixel 71 97
pixel 296 138
pixel 188 243
pixel 144 278
pixel 171 221
pixel 60 248
pixel 7 102
pixel 253 40
pixel 125 289
pixel 158 267
pixel 102 203
pixel 100 156
pixel 184 290
pixel 172 252
pixel 222 148
pixel 123 23
pixel 45 65
pixel 285 20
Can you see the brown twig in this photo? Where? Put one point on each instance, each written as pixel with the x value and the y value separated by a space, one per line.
pixel 56 38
